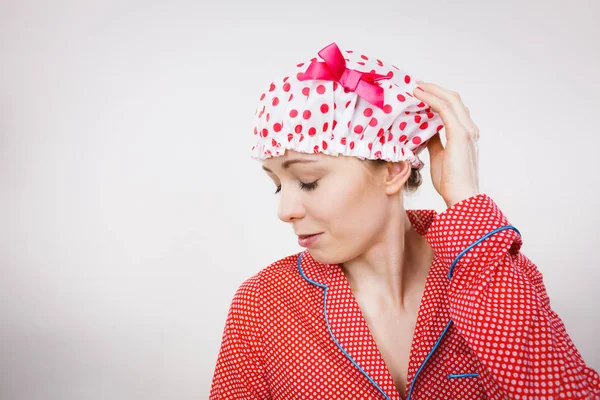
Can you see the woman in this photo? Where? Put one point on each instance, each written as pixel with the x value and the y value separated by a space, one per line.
pixel 387 303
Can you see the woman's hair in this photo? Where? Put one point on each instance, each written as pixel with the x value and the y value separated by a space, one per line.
pixel 413 182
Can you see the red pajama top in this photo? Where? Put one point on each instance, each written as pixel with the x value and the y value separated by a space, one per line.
pixel 485 328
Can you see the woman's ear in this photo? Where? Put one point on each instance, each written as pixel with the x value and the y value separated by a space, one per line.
pixel 396 175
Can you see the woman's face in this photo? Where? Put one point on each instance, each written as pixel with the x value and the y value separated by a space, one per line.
pixel 336 196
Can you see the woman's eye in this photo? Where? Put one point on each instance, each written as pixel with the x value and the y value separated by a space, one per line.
pixel 308 186
pixel 304 186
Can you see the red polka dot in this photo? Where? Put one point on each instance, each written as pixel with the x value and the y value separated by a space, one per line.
pixel 401 97
pixel 402 125
pixel 306 114
pixel 277 127
pixel 348 103
pixel 373 122
pixel 262 96
pixel 351 145
pixel 417 118
pixel 272 87
pixel 416 140
pixel 299 75
pixel 381 132
pixel 265 132
pixel 312 131
pixel 387 109
pixel 368 112
pixel 293 113
pixel 402 138
pixel 324 145
pixel 306 91
pixel 407 79
pixel 325 126
pixel 320 89
pixel 298 128
pixel 290 137
pixel 286 87
pixel 343 141
pixel 324 108
pixel 275 101
pixel 424 125
pixel 358 129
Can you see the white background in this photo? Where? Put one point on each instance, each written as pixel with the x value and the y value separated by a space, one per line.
pixel 131 210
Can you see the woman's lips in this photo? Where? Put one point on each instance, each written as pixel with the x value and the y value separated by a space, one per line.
pixel 308 240
pixel 305 236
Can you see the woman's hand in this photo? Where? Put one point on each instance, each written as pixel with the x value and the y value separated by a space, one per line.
pixel 454 169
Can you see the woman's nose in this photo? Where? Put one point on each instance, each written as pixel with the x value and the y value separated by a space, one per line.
pixel 290 206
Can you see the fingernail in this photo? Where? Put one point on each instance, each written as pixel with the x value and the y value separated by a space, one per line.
pixel 418 88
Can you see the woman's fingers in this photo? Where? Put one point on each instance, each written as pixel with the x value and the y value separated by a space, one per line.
pixel 454 100
pixel 434 146
pixel 443 108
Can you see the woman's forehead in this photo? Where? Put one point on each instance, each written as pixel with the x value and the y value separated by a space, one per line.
pixel 307 159
pixel 295 155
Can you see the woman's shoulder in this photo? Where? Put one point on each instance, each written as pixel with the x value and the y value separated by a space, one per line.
pixel 276 275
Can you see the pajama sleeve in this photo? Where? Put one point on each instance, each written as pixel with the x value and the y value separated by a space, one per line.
pixel 499 305
pixel 239 372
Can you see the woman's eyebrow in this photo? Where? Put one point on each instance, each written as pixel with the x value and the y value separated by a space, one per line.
pixel 286 164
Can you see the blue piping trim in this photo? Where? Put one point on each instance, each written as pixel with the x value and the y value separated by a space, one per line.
pixel 476 243
pixel 331 333
pixel 461 375
pixel 427 358
pixel 414 381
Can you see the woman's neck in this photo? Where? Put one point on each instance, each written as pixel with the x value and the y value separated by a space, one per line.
pixel 394 269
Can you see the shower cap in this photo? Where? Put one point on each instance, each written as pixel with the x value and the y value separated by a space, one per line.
pixel 344 103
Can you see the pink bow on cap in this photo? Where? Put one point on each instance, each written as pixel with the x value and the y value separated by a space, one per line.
pixel 334 69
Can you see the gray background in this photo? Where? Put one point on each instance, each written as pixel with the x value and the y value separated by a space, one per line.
pixel 130 210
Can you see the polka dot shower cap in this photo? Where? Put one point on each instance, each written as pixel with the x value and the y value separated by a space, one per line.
pixel 345 103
